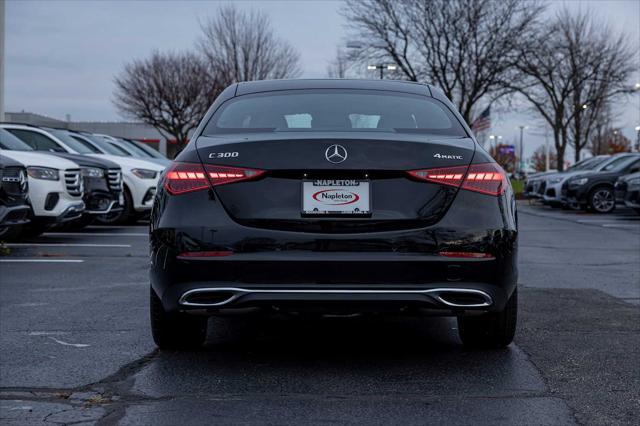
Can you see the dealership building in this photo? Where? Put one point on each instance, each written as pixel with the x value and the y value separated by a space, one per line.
pixel 124 129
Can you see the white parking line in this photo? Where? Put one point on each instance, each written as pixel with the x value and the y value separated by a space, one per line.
pixel 65 245
pixel 41 261
pixel 609 220
pixel 63 343
pixel 616 225
pixel 95 234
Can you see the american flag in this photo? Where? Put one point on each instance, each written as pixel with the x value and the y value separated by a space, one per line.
pixel 483 122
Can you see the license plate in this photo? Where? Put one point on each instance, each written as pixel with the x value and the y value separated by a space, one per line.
pixel 339 196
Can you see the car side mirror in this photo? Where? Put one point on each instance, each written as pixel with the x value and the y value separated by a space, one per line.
pixel 635 169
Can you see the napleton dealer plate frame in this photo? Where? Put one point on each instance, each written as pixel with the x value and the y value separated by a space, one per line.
pixel 336 197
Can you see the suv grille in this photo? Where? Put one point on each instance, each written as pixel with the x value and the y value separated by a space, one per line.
pixel 115 179
pixel 73 182
pixel 13 181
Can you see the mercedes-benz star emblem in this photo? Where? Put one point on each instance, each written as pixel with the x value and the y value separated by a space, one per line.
pixel 335 154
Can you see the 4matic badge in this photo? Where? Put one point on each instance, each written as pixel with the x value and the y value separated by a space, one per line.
pixel 448 156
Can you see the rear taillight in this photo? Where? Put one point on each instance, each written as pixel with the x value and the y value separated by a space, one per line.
pixel 187 177
pixel 486 178
pixel 451 176
pixel 466 255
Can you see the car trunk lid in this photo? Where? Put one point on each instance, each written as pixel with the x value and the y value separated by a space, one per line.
pixel 378 160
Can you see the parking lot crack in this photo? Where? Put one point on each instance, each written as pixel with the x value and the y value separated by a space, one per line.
pixel 111 393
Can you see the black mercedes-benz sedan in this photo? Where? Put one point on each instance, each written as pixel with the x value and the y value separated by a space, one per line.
pixel 332 197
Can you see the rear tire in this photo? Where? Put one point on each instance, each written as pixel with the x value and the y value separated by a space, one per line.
pixel 175 330
pixel 492 330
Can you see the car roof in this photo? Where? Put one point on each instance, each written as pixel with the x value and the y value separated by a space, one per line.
pixel 248 87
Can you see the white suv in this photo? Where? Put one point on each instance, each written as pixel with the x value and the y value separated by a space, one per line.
pixel 55 186
pixel 140 177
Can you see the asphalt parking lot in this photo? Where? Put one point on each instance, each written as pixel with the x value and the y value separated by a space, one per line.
pixel 75 345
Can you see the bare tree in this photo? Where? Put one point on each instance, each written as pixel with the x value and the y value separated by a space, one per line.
pixel 340 65
pixel 170 91
pixel 607 63
pixel 612 141
pixel 602 125
pixel 571 71
pixel 467 48
pixel 539 159
pixel 241 46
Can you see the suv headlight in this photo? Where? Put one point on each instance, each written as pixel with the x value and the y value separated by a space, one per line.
pixel 145 173
pixel 633 182
pixel 45 173
pixel 579 182
pixel 92 172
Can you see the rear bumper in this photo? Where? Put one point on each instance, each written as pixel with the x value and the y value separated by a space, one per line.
pixel 298 280
pixel 437 298
pixel 286 270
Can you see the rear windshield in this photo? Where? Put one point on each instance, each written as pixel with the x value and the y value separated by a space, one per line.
pixel 340 111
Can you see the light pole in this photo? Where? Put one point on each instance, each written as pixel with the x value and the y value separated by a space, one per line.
pixel 546 149
pixel 521 162
pixel 382 68
pixel 637 138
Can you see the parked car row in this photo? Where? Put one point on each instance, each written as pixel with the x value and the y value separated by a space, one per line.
pixel 60 178
pixel 595 184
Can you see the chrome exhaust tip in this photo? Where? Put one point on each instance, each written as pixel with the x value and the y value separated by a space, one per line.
pixel 462 298
pixel 210 297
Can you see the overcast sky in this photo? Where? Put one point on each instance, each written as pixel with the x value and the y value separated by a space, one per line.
pixel 61 56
